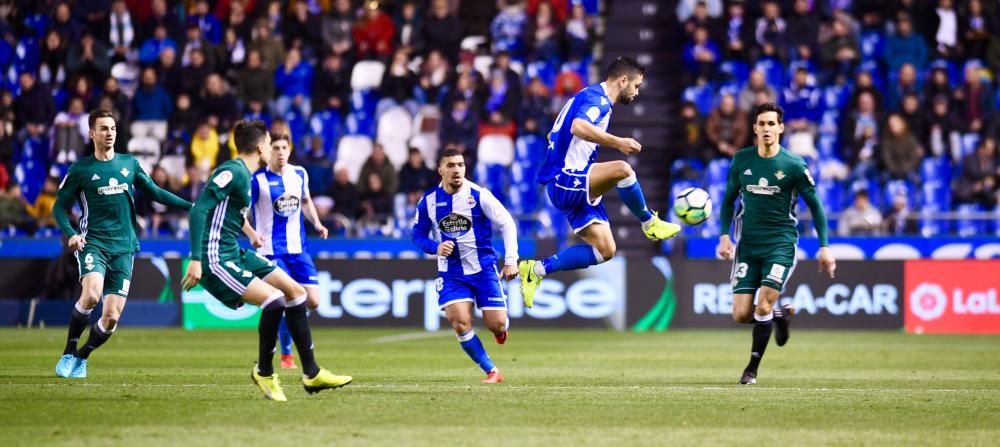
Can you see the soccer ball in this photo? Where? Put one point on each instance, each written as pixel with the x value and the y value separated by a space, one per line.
pixel 693 206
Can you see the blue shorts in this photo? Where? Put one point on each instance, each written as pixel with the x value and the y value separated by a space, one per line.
pixel 570 193
pixel 299 266
pixel 482 288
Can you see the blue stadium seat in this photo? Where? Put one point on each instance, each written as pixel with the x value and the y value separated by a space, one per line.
pixel 703 97
pixel 774 71
pixel 872 43
pixel 831 193
pixel 690 168
pixel 904 188
pixel 967 224
pixel 733 71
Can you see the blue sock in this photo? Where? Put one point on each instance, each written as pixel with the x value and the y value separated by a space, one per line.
pixel 284 338
pixel 631 193
pixel 474 348
pixel 577 257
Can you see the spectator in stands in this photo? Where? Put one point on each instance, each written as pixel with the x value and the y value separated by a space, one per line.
pixel 152 106
pixel 863 83
pixel 841 52
pixel 701 55
pixel 209 25
pixel 398 82
pixel 216 101
pixel 88 58
pixel 302 30
pixel 415 177
pixel 685 8
pixel 293 81
pixel 433 79
pixel 157 216
pixel 234 53
pixel 332 85
pixel 537 104
pixel 194 42
pixel 345 195
pixel 443 31
pixel 460 128
pixel 168 72
pixel 975 30
pixel 861 219
pixel 947 30
pixel 65 24
pixel 699 19
pixel 12 210
pixel 545 35
pixel 905 47
pixel 802 109
pixel 237 20
pixel 122 36
pixel 579 32
pixel 184 119
pixel 337 27
pixel 943 135
pixel 727 127
pixel 772 31
pixel 52 70
pixel 255 83
pixel 379 165
pixel 373 33
pixel 756 85
pixel 859 136
pixel 376 201
pixel 317 165
pixel 154 46
pixel 41 209
pixel 70 132
pixel 905 84
pixel 803 25
pixel 692 142
pixel 974 100
pixel 901 152
pixel 739 33
pixel 122 103
pixel 499 99
pixel 900 220
pixel 205 148
pixel 271 50
pixel 914 117
pixel 980 176
pixel 193 76
pixel 508 28
pixel 938 83
pixel 194 183
pixel 33 106
pixel 409 28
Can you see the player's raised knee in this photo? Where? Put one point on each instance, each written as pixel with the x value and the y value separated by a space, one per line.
pixel 606 251
pixel 90 297
pixel 622 170
pixel 743 317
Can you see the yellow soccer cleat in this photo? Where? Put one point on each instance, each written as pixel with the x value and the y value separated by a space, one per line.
pixel 660 230
pixel 269 385
pixel 325 380
pixel 529 281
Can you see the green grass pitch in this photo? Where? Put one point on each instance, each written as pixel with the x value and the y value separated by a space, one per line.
pixel 174 388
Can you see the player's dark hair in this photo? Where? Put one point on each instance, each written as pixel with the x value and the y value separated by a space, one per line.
pixel 98 113
pixel 451 152
pixel 281 137
pixel 625 66
pixel 769 107
pixel 247 135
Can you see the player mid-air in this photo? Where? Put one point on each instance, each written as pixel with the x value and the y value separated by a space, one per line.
pixel 768 178
pixel 575 182
pixel 103 184
pixel 280 199
pixel 455 221
pixel 235 276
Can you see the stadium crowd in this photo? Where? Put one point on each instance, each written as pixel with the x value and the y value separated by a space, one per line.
pixel 891 102
pixel 370 92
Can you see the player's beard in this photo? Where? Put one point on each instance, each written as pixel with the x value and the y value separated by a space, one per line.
pixel 625 99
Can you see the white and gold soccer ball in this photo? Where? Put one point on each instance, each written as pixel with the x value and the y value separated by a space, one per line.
pixel 693 206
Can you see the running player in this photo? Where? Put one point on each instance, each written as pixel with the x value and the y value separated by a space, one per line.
pixel 768 178
pixel 576 183
pixel 455 221
pixel 279 194
pixel 235 276
pixel 103 184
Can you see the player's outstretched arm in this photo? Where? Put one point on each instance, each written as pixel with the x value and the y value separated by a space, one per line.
pixel 499 215
pixel 422 230
pixel 726 214
pixel 160 195
pixel 591 133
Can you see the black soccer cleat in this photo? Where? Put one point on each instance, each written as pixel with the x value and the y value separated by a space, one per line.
pixel 749 377
pixel 781 322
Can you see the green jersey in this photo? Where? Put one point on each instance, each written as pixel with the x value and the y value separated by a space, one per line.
pixel 222 207
pixel 105 191
pixel 769 190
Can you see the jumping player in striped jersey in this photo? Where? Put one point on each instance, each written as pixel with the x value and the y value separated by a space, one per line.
pixel 235 276
pixel 455 221
pixel 576 183
pixel 279 195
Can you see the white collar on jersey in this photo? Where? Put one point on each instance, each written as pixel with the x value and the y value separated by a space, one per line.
pixel 604 86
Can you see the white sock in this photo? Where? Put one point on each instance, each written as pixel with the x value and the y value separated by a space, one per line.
pixel 539 269
pixel 648 222
pixel 81 309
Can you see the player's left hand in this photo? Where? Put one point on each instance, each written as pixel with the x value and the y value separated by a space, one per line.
pixel 826 262
pixel 508 272
pixel 257 240
pixel 192 276
pixel 323 232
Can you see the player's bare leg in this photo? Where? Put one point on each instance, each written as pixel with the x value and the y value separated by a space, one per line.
pixel 498 323
pixel 459 314
pixel 92 285
pixel 618 174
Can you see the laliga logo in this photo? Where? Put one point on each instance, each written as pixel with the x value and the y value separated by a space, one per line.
pixel 928 301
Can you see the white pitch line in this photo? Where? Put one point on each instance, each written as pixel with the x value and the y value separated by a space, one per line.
pixel 409 336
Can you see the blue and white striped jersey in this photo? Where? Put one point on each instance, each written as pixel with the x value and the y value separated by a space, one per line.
pixel 277 209
pixel 566 151
pixel 465 218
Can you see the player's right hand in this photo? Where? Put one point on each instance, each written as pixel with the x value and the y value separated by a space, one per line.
pixel 445 248
pixel 726 249
pixel 192 276
pixel 76 242
pixel 629 146
pixel 257 240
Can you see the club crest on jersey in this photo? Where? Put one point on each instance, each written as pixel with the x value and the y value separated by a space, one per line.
pixel 763 188
pixel 455 225
pixel 113 187
pixel 472 202
pixel 779 175
pixel 124 172
pixel 286 205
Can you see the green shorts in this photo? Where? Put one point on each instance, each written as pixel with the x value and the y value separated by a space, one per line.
pixel 116 268
pixel 762 265
pixel 227 280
